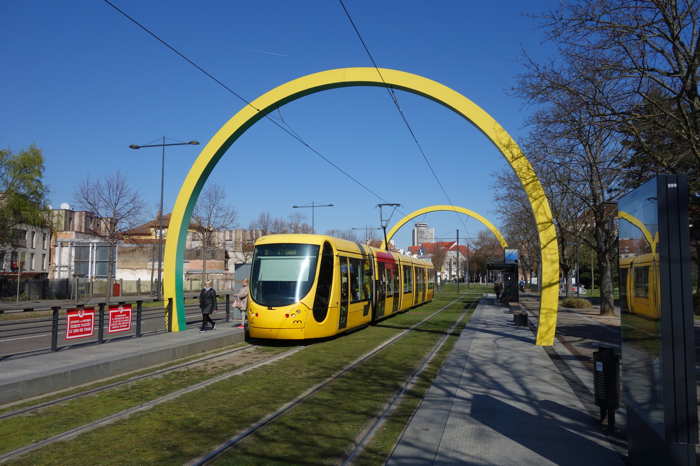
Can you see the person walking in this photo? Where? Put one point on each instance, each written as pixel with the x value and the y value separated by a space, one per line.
pixel 242 301
pixel 207 304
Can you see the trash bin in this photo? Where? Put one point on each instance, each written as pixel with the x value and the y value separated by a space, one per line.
pixel 116 289
pixel 606 381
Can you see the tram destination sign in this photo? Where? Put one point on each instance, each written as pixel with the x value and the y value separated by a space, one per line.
pixel 80 323
pixel 119 318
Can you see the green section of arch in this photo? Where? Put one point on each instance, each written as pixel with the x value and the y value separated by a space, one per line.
pixel 446 208
pixel 347 77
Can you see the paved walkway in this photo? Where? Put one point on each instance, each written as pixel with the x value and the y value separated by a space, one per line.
pixel 501 400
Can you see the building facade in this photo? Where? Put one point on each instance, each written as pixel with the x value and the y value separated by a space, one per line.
pixel 28 252
pixel 422 233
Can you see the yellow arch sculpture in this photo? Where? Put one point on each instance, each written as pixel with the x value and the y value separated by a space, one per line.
pixel 348 77
pixel 651 240
pixel 443 208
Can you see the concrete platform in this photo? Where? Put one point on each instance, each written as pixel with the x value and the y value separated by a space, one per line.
pixel 498 400
pixel 26 377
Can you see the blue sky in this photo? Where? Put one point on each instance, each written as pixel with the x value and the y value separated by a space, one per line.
pixel 82 83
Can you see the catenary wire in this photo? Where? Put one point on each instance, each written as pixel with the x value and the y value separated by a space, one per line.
pixel 246 101
pixel 395 100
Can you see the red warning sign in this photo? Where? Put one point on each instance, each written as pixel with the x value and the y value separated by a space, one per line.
pixel 119 318
pixel 80 323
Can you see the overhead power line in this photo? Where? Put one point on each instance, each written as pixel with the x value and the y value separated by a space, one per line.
pixel 243 99
pixel 395 100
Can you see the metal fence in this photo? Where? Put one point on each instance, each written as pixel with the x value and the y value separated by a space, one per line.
pixel 55 329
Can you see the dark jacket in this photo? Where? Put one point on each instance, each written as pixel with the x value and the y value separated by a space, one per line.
pixel 207 300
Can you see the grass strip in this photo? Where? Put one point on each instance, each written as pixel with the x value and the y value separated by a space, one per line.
pixel 177 431
pixel 383 443
pixel 323 428
pixel 43 423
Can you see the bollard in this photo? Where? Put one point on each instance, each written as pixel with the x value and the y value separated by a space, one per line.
pixel 228 307
pixel 101 324
pixel 54 328
pixel 139 309
pixel 170 314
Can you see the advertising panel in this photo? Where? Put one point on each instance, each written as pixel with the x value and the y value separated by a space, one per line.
pixel 80 323
pixel 119 318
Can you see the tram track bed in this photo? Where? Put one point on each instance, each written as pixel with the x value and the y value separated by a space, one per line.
pixel 188 427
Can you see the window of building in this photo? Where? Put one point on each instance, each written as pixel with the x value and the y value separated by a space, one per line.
pixel 81 262
pixel 23 262
pixel 32 261
pixel 44 241
pixel 3 267
pixel 44 265
pixel 33 241
pixel 101 261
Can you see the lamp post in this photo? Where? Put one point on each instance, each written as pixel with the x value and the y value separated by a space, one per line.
pixel 312 206
pixel 163 145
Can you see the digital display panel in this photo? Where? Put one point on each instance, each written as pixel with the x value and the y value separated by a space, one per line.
pixel 640 304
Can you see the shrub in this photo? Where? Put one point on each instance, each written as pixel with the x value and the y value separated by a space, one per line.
pixel 577 303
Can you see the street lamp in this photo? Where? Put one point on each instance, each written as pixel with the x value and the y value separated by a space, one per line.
pixel 313 206
pixel 163 145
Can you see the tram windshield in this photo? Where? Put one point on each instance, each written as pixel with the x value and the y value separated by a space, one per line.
pixel 282 273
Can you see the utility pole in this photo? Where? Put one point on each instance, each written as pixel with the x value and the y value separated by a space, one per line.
pixel 458 261
pixel 312 206
pixel 385 221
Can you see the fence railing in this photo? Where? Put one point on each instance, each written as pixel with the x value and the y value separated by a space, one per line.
pixel 72 326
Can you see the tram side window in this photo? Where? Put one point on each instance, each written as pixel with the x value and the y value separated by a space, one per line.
pixel 641 282
pixel 325 281
pixel 366 278
pixel 357 292
pixel 407 279
pixel 431 280
pixel 397 285
pixel 343 279
pixel 390 285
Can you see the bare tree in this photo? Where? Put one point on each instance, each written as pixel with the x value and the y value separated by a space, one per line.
pixel 119 208
pixel 438 257
pixel 211 215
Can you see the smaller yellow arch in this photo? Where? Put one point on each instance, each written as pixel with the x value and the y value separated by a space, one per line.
pixel 652 240
pixel 447 208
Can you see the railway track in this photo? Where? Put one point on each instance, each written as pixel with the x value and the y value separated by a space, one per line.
pixel 231 443
pixel 71 433
pixel 228 445
pixel 120 383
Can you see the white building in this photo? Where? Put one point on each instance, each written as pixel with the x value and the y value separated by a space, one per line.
pixel 421 233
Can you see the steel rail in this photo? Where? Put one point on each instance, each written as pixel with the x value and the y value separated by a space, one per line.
pixel 367 434
pixel 92 391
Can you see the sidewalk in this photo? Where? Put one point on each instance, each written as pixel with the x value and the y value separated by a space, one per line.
pixel 498 400
pixel 25 377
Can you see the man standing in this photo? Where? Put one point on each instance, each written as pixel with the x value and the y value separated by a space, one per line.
pixel 207 304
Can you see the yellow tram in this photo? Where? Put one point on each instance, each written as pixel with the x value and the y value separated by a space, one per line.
pixel 316 286
pixel 641 295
